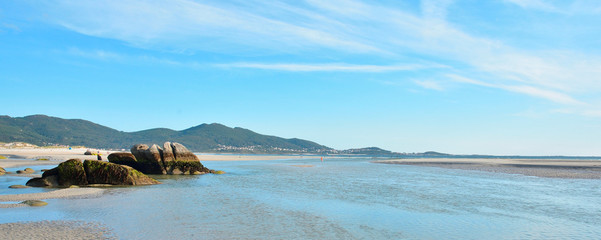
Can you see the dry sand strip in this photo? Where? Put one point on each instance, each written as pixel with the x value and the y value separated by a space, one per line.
pixel 51 154
pixel 550 168
pixel 250 157
pixel 11 163
pixel 27 156
pixel 68 230
pixel 62 193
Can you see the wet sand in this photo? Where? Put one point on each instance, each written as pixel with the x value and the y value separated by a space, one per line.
pixel 27 156
pixel 68 230
pixel 550 168
pixel 61 193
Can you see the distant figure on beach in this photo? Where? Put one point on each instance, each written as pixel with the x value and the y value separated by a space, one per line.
pixel 99 157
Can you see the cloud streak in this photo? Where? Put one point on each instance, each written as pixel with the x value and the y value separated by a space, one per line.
pixel 332 30
pixel 550 95
pixel 293 67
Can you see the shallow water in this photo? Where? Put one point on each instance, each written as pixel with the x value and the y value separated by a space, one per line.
pixel 338 199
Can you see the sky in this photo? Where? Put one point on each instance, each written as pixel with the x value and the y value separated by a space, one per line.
pixel 504 77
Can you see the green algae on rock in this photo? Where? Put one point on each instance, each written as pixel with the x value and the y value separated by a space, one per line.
pixel 75 173
pixel 35 203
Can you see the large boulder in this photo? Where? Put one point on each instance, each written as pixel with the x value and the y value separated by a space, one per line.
pixel 149 158
pixel 168 152
pixel 138 151
pixel 123 158
pixel 181 153
pixel 71 172
pixel 51 181
pixel 74 172
pixel 173 158
pixel 99 172
pixel 185 162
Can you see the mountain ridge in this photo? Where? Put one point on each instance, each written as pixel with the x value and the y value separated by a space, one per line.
pixel 215 137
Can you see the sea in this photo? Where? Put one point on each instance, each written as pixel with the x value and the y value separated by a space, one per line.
pixel 344 198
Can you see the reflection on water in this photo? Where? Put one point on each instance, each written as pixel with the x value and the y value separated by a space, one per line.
pixel 339 199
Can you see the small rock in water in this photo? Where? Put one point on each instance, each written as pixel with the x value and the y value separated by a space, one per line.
pixel 18 186
pixel 25 171
pixel 35 203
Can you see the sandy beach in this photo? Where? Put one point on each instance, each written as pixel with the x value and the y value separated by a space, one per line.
pixel 28 156
pixel 551 168
pixel 50 156
pixel 61 193
pixel 236 157
pixel 69 230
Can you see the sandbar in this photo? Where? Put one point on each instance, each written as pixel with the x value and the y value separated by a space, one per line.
pixel 51 154
pixel 61 193
pixel 27 156
pixel 55 230
pixel 549 168
pixel 250 157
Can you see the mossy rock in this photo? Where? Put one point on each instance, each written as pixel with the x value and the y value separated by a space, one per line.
pixel 50 172
pixel 99 172
pixel 123 158
pixel 185 167
pixel 2 157
pixel 35 203
pixel 18 186
pixel 42 159
pixel 2 170
pixel 71 172
pixel 51 181
pixel 219 172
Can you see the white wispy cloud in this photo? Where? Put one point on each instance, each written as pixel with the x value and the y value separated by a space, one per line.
pixel 550 95
pixel 535 4
pixel 566 7
pixel 428 84
pixel 331 67
pixel 339 28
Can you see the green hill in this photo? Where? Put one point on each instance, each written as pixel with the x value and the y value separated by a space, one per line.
pixel 44 130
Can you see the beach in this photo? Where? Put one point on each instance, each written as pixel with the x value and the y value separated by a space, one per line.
pixel 69 230
pixel 549 168
pixel 304 198
pixel 52 156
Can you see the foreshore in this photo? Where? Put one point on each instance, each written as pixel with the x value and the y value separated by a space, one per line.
pixel 52 156
pixel 55 230
pixel 61 193
pixel 549 168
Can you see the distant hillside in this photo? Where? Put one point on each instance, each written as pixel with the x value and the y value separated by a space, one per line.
pixel 44 130
pixel 367 151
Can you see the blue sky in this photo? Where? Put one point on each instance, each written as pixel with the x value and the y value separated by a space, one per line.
pixel 458 76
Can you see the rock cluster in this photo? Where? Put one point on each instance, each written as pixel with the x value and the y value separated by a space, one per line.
pixel 26 171
pixel 74 172
pixel 172 158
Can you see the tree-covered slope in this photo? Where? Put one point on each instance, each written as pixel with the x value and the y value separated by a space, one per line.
pixel 44 130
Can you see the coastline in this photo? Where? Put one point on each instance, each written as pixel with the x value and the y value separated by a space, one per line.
pixel 18 157
pixel 548 168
